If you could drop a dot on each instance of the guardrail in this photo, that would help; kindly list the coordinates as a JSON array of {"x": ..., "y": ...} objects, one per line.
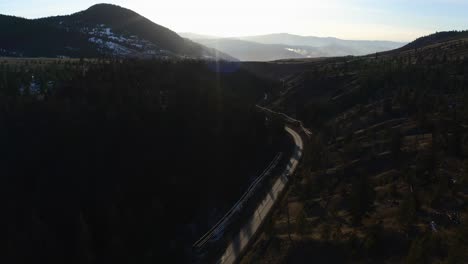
[
  {"x": 240, "y": 240},
  {"x": 221, "y": 225},
  {"x": 211, "y": 240}
]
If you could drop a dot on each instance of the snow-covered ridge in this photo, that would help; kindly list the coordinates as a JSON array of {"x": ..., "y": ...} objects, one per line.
[{"x": 121, "y": 45}]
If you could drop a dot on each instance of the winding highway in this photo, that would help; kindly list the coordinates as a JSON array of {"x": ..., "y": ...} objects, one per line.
[
  {"x": 231, "y": 250},
  {"x": 242, "y": 238}
]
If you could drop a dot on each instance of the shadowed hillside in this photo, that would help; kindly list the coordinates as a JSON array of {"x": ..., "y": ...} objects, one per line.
[
  {"x": 384, "y": 177},
  {"x": 102, "y": 30},
  {"x": 124, "y": 161}
]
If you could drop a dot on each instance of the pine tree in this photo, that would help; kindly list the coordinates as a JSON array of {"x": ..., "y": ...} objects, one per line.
[
  {"x": 301, "y": 224},
  {"x": 362, "y": 198}
]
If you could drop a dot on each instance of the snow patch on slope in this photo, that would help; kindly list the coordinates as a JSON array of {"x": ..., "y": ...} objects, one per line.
[
  {"x": 122, "y": 45},
  {"x": 299, "y": 51}
]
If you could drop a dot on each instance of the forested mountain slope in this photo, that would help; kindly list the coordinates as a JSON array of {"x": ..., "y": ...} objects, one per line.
[
  {"x": 102, "y": 30},
  {"x": 124, "y": 161}
]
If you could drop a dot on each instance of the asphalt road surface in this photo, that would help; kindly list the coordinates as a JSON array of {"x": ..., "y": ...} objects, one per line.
[{"x": 240, "y": 241}]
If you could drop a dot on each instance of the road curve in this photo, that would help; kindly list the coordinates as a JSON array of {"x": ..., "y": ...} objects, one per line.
[
  {"x": 242, "y": 238},
  {"x": 287, "y": 119}
]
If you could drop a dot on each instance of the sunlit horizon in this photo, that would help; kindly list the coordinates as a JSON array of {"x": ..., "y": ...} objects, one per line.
[{"x": 351, "y": 19}]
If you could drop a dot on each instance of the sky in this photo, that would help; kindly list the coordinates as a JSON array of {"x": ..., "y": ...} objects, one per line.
[{"x": 397, "y": 20}]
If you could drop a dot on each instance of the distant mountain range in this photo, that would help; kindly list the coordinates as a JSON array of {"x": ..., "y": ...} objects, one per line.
[
  {"x": 287, "y": 46},
  {"x": 106, "y": 30},
  {"x": 102, "y": 30}
]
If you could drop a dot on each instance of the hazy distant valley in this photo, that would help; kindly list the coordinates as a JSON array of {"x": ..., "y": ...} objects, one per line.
[{"x": 286, "y": 46}]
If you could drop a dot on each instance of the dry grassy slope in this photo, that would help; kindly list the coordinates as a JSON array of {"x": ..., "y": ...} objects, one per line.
[
  {"x": 451, "y": 44},
  {"x": 405, "y": 135}
]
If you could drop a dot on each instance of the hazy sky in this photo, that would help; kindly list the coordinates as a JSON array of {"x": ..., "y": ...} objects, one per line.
[{"x": 350, "y": 19}]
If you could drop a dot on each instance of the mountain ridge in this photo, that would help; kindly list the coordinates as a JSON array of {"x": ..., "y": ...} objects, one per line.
[
  {"x": 307, "y": 40},
  {"x": 102, "y": 30},
  {"x": 436, "y": 38}
]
